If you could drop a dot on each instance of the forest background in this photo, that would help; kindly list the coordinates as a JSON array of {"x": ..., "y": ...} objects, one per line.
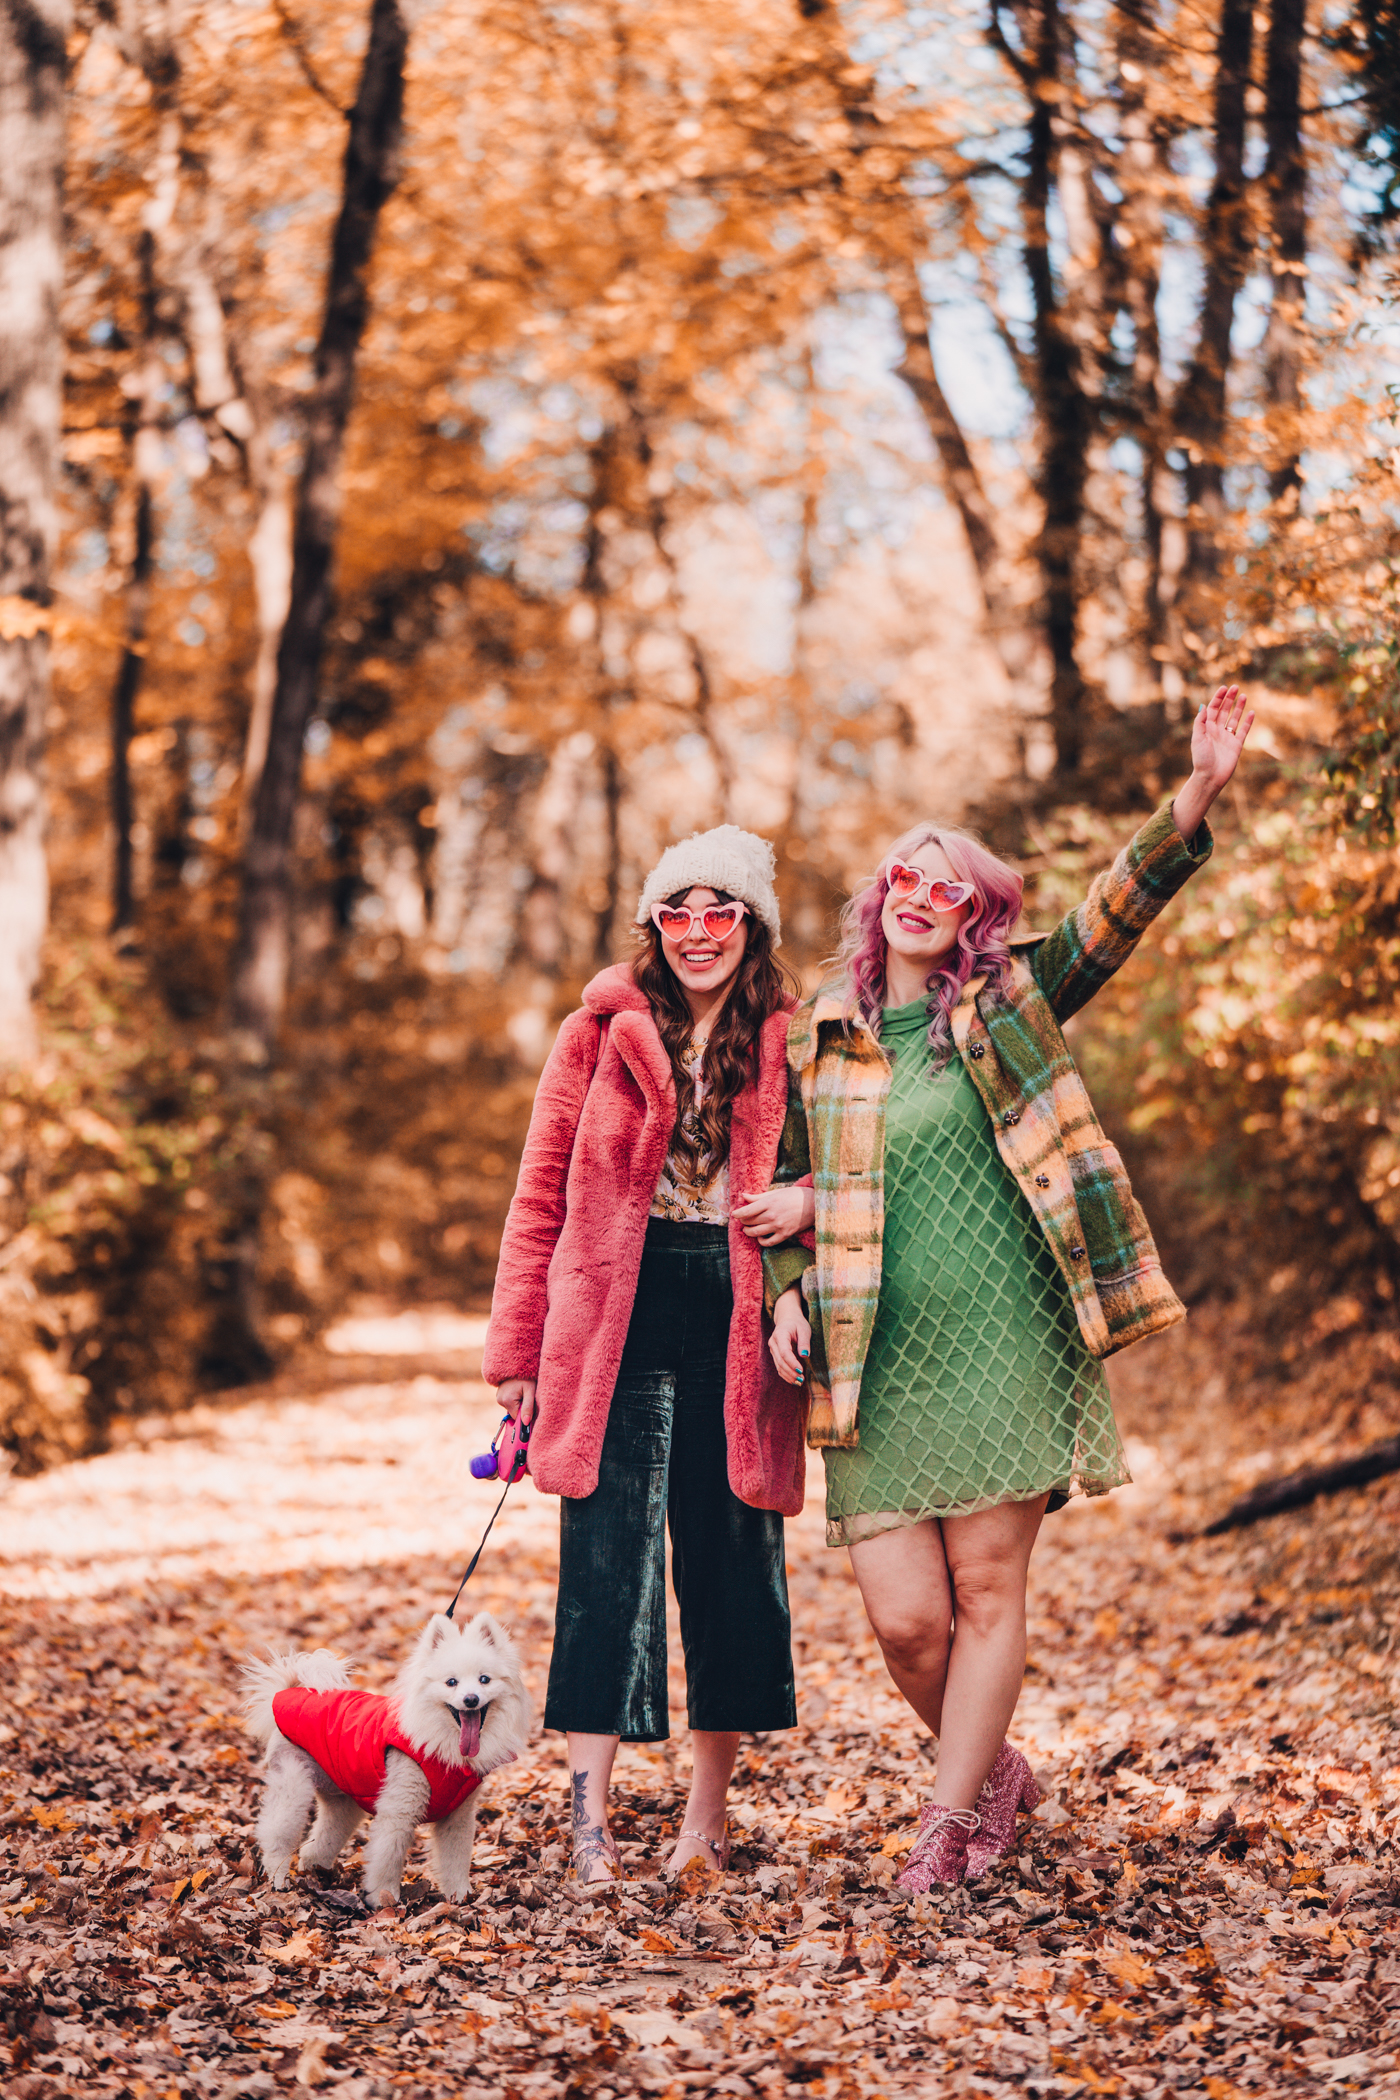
[{"x": 452, "y": 450}]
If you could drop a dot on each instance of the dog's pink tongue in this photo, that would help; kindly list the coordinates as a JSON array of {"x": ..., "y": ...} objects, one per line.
[{"x": 471, "y": 1733}]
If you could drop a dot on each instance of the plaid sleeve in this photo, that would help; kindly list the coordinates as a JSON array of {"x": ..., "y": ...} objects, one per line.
[
  {"x": 786, "y": 1265},
  {"x": 1077, "y": 958}
]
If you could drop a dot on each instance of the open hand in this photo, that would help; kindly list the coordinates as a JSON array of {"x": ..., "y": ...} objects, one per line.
[
  {"x": 1218, "y": 734},
  {"x": 1217, "y": 739},
  {"x": 776, "y": 1215}
]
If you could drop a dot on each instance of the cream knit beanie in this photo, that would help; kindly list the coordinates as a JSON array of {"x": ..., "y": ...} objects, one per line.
[{"x": 723, "y": 859}]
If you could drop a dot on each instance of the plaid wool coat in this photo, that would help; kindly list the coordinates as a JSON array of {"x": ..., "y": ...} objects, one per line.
[{"x": 1009, "y": 1038}]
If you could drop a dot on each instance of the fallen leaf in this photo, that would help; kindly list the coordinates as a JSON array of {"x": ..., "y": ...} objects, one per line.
[
  {"x": 1128, "y": 1968},
  {"x": 311, "y": 2064},
  {"x": 299, "y": 1948},
  {"x": 650, "y": 2029}
]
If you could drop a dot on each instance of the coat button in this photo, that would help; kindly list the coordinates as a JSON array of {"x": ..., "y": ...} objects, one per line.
[
  {"x": 1042, "y": 1181},
  {"x": 979, "y": 1050},
  {"x": 1076, "y": 1254},
  {"x": 1011, "y": 1118}
]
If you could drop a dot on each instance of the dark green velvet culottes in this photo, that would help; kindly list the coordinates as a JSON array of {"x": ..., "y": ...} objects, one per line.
[{"x": 664, "y": 1459}]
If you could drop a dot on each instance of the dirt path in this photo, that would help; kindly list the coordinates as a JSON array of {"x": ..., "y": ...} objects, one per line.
[{"x": 1203, "y": 1906}]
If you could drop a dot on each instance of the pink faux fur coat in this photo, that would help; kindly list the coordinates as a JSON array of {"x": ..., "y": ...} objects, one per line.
[{"x": 572, "y": 1247}]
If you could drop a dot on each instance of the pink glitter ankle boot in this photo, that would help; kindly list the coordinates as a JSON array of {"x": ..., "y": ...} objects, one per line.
[
  {"x": 940, "y": 1850},
  {"x": 1009, "y": 1786}
]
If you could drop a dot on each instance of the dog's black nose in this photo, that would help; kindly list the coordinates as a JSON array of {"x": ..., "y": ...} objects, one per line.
[{"x": 472, "y": 1702}]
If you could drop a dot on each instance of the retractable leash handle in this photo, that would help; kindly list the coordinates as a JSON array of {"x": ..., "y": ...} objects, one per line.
[
  {"x": 507, "y": 1460},
  {"x": 509, "y": 1456}
]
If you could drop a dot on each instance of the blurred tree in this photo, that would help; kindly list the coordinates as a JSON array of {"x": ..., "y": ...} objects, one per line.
[
  {"x": 886, "y": 218},
  {"x": 1286, "y": 184},
  {"x": 145, "y": 387},
  {"x": 32, "y": 65},
  {"x": 259, "y": 976},
  {"x": 1200, "y": 413},
  {"x": 1369, "y": 40}
]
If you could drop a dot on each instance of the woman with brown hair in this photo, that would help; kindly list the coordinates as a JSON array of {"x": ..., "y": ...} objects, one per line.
[{"x": 627, "y": 1322}]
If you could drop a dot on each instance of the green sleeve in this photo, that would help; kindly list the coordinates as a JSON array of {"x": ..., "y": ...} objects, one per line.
[
  {"x": 782, "y": 1268},
  {"x": 1077, "y": 958},
  {"x": 786, "y": 1265}
]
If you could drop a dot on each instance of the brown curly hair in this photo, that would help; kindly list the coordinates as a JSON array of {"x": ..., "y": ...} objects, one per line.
[{"x": 761, "y": 988}]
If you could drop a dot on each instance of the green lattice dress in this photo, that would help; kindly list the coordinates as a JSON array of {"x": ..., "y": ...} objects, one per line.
[{"x": 977, "y": 1388}]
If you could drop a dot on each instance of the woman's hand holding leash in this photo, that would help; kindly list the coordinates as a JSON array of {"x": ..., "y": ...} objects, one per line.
[
  {"x": 791, "y": 1339},
  {"x": 516, "y": 1396},
  {"x": 776, "y": 1215},
  {"x": 1217, "y": 739}
]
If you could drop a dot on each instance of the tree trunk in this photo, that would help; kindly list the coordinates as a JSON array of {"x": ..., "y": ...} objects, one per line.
[
  {"x": 270, "y": 552},
  {"x": 1295, "y": 1490},
  {"x": 1200, "y": 415},
  {"x": 145, "y": 465},
  {"x": 1144, "y": 177},
  {"x": 186, "y": 261},
  {"x": 605, "y": 919},
  {"x": 1014, "y": 640},
  {"x": 1013, "y": 636},
  {"x": 1286, "y": 183},
  {"x": 262, "y": 956},
  {"x": 919, "y": 373},
  {"x": 658, "y": 525},
  {"x": 612, "y": 493},
  {"x": 1062, "y": 406},
  {"x": 32, "y": 60}
]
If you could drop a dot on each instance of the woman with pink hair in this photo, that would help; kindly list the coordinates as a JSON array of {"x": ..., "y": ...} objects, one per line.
[{"x": 978, "y": 1253}]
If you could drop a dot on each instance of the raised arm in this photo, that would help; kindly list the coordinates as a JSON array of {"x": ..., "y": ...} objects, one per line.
[
  {"x": 1217, "y": 739},
  {"x": 536, "y": 1216},
  {"x": 1093, "y": 941}
]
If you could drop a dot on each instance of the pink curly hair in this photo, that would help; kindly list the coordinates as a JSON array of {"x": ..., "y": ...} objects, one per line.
[{"x": 981, "y": 948}]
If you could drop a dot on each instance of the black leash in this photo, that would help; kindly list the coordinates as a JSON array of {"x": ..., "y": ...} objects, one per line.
[
  {"x": 522, "y": 1432},
  {"x": 471, "y": 1565}
]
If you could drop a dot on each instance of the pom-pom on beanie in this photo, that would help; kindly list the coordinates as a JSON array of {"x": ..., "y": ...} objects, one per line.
[{"x": 723, "y": 859}]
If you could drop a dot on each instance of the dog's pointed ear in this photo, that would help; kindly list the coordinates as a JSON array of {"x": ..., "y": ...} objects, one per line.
[
  {"x": 437, "y": 1630},
  {"x": 490, "y": 1630}
]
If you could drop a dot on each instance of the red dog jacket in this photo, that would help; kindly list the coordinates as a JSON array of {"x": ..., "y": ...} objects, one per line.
[{"x": 348, "y": 1734}]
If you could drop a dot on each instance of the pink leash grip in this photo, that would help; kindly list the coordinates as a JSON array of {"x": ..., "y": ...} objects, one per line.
[{"x": 512, "y": 1449}]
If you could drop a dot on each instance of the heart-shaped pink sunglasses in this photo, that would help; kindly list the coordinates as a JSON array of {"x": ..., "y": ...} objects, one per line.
[
  {"x": 906, "y": 882},
  {"x": 674, "y": 921}
]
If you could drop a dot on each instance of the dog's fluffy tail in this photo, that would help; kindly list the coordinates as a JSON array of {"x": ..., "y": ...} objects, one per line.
[{"x": 321, "y": 1671}]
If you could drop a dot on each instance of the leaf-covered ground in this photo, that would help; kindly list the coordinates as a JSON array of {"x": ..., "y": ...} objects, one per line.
[{"x": 1205, "y": 1904}]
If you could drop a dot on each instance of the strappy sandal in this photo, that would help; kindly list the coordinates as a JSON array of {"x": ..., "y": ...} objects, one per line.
[{"x": 718, "y": 1846}]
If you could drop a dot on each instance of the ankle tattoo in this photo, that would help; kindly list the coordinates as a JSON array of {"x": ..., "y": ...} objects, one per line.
[{"x": 593, "y": 1842}]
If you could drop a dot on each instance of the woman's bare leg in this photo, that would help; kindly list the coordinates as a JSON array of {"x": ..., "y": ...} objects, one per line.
[
  {"x": 947, "y": 1601},
  {"x": 988, "y": 1556},
  {"x": 908, "y": 1597},
  {"x": 590, "y": 1774},
  {"x": 713, "y": 1752}
]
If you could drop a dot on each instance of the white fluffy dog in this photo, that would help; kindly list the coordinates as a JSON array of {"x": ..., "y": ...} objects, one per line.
[{"x": 458, "y": 1710}]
